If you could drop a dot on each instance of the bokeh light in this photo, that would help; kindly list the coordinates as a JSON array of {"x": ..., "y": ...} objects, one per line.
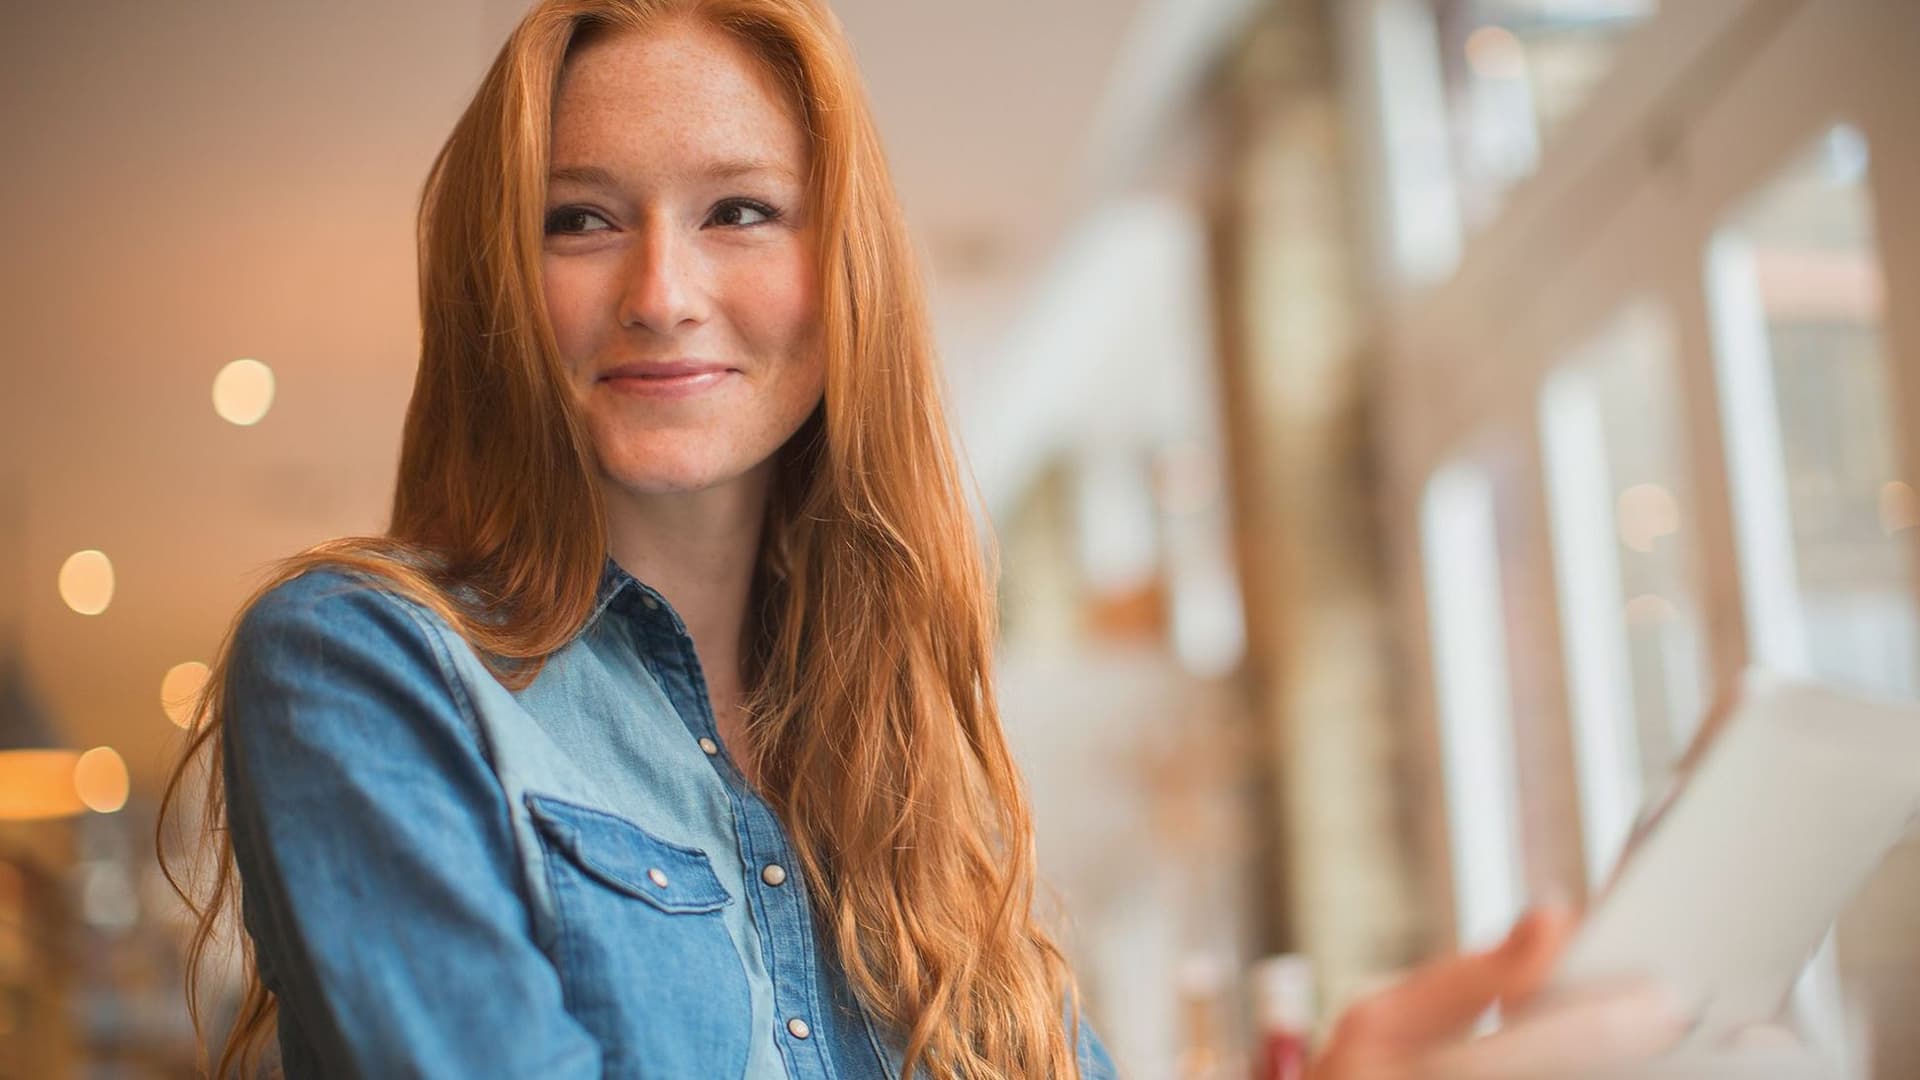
[
  {"x": 243, "y": 392},
  {"x": 1651, "y": 609},
  {"x": 1496, "y": 53},
  {"x": 180, "y": 689},
  {"x": 1647, "y": 512},
  {"x": 100, "y": 779},
  {"x": 86, "y": 581},
  {"x": 37, "y": 785}
]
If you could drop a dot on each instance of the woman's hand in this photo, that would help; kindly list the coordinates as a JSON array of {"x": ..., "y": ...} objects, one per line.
[{"x": 1419, "y": 1028}]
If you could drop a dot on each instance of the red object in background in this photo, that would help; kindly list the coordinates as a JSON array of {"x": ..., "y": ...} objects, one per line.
[
  {"x": 1283, "y": 1003},
  {"x": 1283, "y": 1056}
]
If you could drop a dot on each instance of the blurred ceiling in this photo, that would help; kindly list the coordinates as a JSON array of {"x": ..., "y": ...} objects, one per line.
[{"x": 190, "y": 183}]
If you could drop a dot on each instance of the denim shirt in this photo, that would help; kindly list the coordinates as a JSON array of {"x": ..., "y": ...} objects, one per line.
[{"x": 443, "y": 877}]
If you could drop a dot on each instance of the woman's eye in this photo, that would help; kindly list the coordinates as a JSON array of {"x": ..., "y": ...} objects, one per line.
[
  {"x": 736, "y": 213},
  {"x": 575, "y": 219}
]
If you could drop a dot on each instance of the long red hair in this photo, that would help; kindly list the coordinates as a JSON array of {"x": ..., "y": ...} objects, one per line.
[{"x": 873, "y": 721}]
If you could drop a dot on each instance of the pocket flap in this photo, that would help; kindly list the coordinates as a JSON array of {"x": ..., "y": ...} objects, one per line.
[{"x": 627, "y": 857}]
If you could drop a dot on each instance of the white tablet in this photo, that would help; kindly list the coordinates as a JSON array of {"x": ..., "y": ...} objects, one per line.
[{"x": 1799, "y": 797}]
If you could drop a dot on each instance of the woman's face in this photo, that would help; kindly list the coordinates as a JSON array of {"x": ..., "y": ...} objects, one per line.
[{"x": 680, "y": 258}]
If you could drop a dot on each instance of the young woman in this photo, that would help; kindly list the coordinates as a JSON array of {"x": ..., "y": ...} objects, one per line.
[{"x": 656, "y": 737}]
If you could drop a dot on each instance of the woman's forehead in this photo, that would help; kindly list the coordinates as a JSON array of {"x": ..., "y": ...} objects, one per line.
[{"x": 683, "y": 96}]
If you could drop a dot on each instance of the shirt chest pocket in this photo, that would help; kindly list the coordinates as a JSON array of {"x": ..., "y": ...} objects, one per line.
[{"x": 644, "y": 954}]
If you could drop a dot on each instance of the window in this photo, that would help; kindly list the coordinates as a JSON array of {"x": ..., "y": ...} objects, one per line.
[
  {"x": 1515, "y": 70},
  {"x": 1474, "y": 691},
  {"x": 1624, "y": 561},
  {"x": 1822, "y": 513}
]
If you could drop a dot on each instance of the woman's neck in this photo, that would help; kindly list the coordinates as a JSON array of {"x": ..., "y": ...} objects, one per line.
[{"x": 699, "y": 549}]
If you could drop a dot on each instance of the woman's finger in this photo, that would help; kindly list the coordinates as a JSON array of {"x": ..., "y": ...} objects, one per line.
[
  {"x": 1543, "y": 935},
  {"x": 1589, "y": 1031},
  {"x": 1441, "y": 1000}
]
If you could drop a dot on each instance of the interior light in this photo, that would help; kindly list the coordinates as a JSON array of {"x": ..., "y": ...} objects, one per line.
[
  {"x": 37, "y": 784},
  {"x": 86, "y": 582},
  {"x": 1650, "y": 609},
  {"x": 1647, "y": 512},
  {"x": 243, "y": 392},
  {"x": 180, "y": 691},
  {"x": 1495, "y": 53},
  {"x": 100, "y": 779}
]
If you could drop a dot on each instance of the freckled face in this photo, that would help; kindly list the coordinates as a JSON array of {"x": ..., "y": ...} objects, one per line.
[{"x": 679, "y": 258}]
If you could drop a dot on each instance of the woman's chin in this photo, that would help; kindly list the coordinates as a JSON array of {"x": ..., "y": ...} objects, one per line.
[{"x": 671, "y": 477}]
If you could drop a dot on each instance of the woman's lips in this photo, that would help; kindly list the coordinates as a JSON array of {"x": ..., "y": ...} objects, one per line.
[{"x": 674, "y": 380}]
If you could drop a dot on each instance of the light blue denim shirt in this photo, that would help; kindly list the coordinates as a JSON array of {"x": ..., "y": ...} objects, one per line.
[{"x": 446, "y": 878}]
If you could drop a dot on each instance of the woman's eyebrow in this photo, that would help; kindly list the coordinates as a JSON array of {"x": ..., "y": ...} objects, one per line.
[
  {"x": 735, "y": 168},
  {"x": 588, "y": 175},
  {"x": 726, "y": 169}
]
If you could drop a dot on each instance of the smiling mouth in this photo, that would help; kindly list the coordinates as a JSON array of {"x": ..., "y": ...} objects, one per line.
[{"x": 670, "y": 382}]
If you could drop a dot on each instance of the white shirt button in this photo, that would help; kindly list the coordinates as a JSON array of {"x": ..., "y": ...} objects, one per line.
[
  {"x": 657, "y": 877},
  {"x": 798, "y": 1028},
  {"x": 774, "y": 874},
  {"x": 709, "y": 746},
  {"x": 649, "y": 602}
]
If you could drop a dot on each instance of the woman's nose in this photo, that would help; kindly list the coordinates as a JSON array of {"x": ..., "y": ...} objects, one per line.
[{"x": 661, "y": 289}]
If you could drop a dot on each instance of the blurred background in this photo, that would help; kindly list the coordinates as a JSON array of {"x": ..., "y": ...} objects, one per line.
[{"x": 1399, "y": 418}]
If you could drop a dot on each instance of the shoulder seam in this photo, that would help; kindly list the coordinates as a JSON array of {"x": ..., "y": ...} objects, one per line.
[
  {"x": 434, "y": 636},
  {"x": 442, "y": 659}
]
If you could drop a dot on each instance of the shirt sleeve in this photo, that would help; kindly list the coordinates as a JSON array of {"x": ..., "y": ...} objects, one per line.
[
  {"x": 1095, "y": 1063},
  {"x": 375, "y": 853}
]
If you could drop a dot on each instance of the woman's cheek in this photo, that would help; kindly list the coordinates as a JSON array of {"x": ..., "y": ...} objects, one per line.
[
  {"x": 569, "y": 308},
  {"x": 781, "y": 299}
]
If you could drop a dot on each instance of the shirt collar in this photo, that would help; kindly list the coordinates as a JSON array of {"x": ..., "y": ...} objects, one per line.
[
  {"x": 613, "y": 581},
  {"x": 622, "y": 591}
]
